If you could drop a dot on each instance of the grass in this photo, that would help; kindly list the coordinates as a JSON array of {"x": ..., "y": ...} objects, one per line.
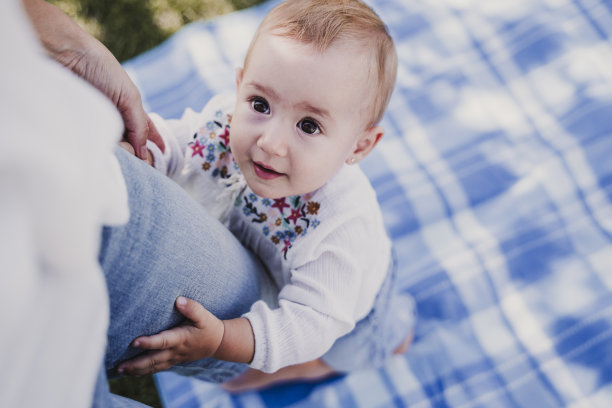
[
  {"x": 128, "y": 28},
  {"x": 141, "y": 389}
]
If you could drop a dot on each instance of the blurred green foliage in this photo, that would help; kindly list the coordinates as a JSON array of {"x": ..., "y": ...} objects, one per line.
[
  {"x": 141, "y": 389},
  {"x": 129, "y": 27}
]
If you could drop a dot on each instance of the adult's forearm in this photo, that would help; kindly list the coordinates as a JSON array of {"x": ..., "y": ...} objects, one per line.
[
  {"x": 70, "y": 45},
  {"x": 61, "y": 37}
]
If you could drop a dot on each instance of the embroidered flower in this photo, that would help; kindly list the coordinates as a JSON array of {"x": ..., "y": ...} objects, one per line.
[
  {"x": 206, "y": 166},
  {"x": 278, "y": 222},
  {"x": 212, "y": 135},
  {"x": 295, "y": 216},
  {"x": 266, "y": 231},
  {"x": 253, "y": 197},
  {"x": 298, "y": 230},
  {"x": 281, "y": 204},
  {"x": 313, "y": 207},
  {"x": 315, "y": 224},
  {"x": 225, "y": 136},
  {"x": 210, "y": 125},
  {"x": 286, "y": 248},
  {"x": 275, "y": 240},
  {"x": 211, "y": 148},
  {"x": 197, "y": 149},
  {"x": 210, "y": 157},
  {"x": 266, "y": 202}
]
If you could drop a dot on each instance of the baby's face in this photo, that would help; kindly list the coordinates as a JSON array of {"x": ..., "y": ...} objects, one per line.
[{"x": 298, "y": 115}]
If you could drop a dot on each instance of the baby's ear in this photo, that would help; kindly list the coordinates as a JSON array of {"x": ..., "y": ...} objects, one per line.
[
  {"x": 366, "y": 143},
  {"x": 239, "y": 73}
]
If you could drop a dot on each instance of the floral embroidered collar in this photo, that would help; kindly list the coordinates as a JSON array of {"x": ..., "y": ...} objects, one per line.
[
  {"x": 282, "y": 220},
  {"x": 211, "y": 144}
]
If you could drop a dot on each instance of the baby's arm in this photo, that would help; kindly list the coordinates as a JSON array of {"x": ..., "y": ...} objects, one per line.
[
  {"x": 178, "y": 134},
  {"x": 204, "y": 336}
]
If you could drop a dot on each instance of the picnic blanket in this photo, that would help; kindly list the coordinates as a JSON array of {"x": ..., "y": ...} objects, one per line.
[{"x": 495, "y": 180}]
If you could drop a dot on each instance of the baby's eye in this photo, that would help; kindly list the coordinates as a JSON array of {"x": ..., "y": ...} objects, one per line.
[
  {"x": 260, "y": 105},
  {"x": 309, "y": 126}
]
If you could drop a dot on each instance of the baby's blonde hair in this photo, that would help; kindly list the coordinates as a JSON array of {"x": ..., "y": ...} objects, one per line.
[{"x": 322, "y": 22}]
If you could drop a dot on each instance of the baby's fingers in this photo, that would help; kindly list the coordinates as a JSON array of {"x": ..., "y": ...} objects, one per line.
[
  {"x": 164, "y": 340},
  {"x": 128, "y": 147},
  {"x": 148, "y": 363}
]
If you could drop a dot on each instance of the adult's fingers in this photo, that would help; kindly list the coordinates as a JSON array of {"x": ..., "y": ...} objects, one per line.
[
  {"x": 154, "y": 135},
  {"x": 136, "y": 122}
]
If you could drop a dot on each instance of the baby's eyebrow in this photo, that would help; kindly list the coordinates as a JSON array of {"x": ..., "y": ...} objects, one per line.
[
  {"x": 264, "y": 89},
  {"x": 314, "y": 109},
  {"x": 307, "y": 106}
]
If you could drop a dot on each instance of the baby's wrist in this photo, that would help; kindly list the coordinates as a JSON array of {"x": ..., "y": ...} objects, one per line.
[{"x": 237, "y": 341}]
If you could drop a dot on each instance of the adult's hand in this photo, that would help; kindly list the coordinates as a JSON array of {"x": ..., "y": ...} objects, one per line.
[{"x": 76, "y": 49}]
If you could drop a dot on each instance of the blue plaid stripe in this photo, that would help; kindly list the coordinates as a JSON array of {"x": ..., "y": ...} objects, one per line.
[{"x": 495, "y": 179}]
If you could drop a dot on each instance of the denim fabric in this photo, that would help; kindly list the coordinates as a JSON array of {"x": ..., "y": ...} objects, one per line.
[
  {"x": 377, "y": 335},
  {"x": 170, "y": 247}
]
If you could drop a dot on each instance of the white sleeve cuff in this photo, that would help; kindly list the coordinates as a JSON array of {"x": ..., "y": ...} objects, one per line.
[{"x": 158, "y": 157}]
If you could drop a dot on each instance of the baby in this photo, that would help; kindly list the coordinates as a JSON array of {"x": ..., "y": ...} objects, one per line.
[{"x": 276, "y": 164}]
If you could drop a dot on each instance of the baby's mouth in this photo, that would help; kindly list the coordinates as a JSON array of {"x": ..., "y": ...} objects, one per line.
[{"x": 265, "y": 172}]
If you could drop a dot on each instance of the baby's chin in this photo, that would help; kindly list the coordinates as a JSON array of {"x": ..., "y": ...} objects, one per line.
[
  {"x": 269, "y": 193},
  {"x": 262, "y": 189},
  {"x": 273, "y": 193},
  {"x": 269, "y": 190}
]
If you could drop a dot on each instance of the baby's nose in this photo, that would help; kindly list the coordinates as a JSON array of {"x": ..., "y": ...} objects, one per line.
[{"x": 274, "y": 142}]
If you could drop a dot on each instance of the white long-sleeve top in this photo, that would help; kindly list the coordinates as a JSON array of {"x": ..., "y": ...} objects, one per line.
[
  {"x": 59, "y": 182},
  {"x": 327, "y": 251}
]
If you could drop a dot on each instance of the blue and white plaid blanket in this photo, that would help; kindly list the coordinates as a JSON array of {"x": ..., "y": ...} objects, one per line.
[{"x": 495, "y": 179}]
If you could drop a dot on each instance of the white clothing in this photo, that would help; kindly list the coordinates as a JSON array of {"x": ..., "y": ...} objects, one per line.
[
  {"x": 58, "y": 183},
  {"x": 327, "y": 251}
]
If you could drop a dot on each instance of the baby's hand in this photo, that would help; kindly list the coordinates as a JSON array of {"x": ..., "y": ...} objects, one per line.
[
  {"x": 200, "y": 338},
  {"x": 127, "y": 146}
]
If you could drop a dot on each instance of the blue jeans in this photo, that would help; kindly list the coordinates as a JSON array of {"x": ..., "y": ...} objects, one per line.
[
  {"x": 377, "y": 335},
  {"x": 172, "y": 247}
]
